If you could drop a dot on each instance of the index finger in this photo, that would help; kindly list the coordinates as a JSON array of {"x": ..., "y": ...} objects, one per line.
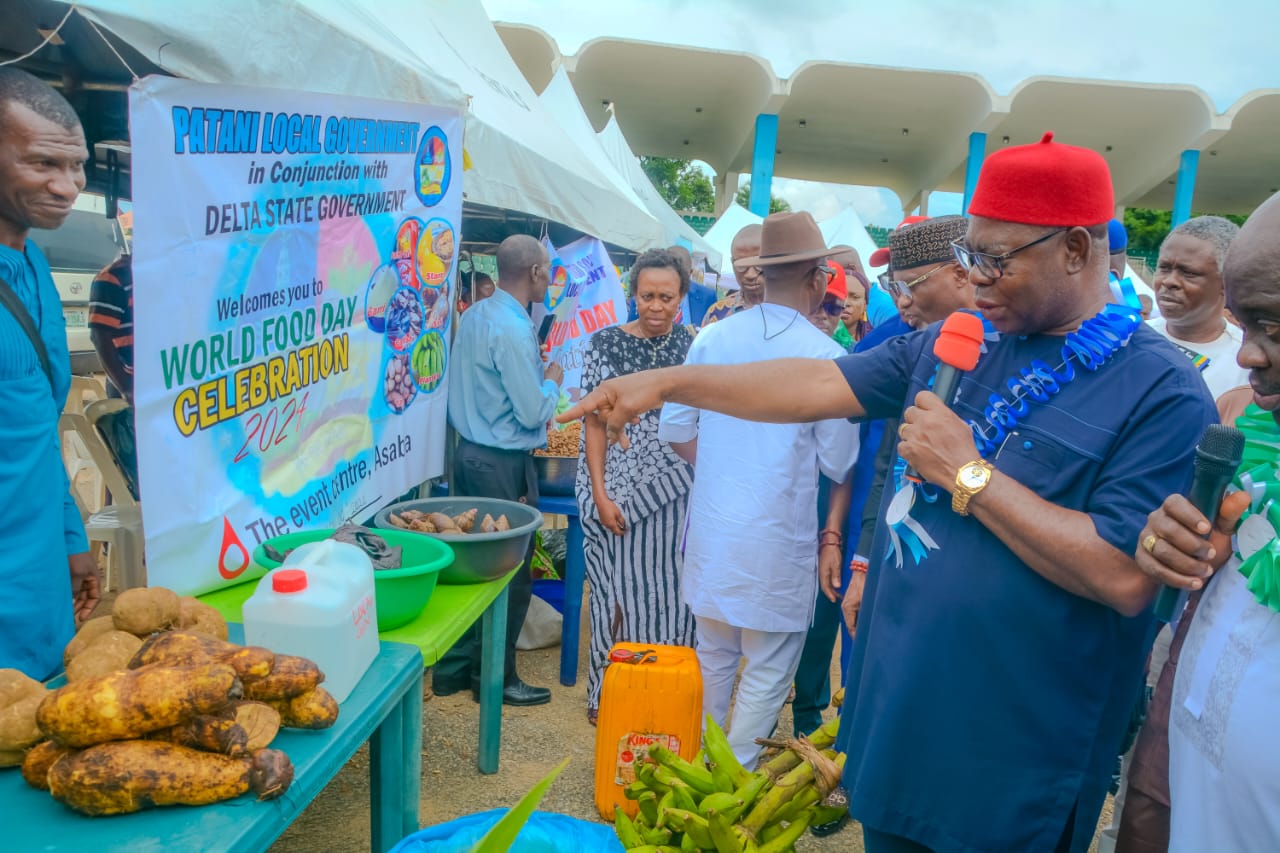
[
  {"x": 581, "y": 409},
  {"x": 1181, "y": 510},
  {"x": 929, "y": 400}
]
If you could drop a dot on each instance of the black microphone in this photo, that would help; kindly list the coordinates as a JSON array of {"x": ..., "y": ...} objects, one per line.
[
  {"x": 1218, "y": 456},
  {"x": 957, "y": 347}
]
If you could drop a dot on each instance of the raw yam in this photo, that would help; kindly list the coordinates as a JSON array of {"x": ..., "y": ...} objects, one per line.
[
  {"x": 239, "y": 729},
  {"x": 134, "y": 702},
  {"x": 147, "y": 610},
  {"x": 315, "y": 709},
  {"x": 88, "y": 632},
  {"x": 200, "y": 618},
  {"x": 16, "y": 684},
  {"x": 290, "y": 676},
  {"x": 18, "y": 729},
  {"x": 40, "y": 758},
  {"x": 184, "y": 648},
  {"x": 110, "y": 651},
  {"x": 118, "y": 778}
]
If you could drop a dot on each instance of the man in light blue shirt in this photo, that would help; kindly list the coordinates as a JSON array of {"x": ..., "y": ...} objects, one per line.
[{"x": 500, "y": 400}]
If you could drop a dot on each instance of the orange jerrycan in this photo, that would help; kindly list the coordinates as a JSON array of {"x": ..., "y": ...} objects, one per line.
[{"x": 651, "y": 694}]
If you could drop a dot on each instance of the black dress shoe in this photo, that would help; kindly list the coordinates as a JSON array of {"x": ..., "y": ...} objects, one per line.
[{"x": 516, "y": 692}]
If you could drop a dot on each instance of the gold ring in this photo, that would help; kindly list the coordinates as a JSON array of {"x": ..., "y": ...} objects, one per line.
[
  {"x": 1149, "y": 544},
  {"x": 902, "y": 429}
]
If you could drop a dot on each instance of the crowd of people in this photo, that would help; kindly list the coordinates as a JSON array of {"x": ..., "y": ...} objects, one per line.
[
  {"x": 772, "y": 470},
  {"x": 999, "y": 599}
]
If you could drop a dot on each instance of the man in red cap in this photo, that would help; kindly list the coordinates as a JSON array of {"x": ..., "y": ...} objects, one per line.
[{"x": 1000, "y": 644}]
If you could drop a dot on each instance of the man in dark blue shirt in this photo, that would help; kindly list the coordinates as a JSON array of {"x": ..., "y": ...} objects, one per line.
[{"x": 997, "y": 655}]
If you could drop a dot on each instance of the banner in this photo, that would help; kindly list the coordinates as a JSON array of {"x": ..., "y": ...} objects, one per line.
[
  {"x": 585, "y": 296},
  {"x": 294, "y": 270}
]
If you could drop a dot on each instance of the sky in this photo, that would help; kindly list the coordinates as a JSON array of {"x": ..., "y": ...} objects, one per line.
[{"x": 1226, "y": 48}]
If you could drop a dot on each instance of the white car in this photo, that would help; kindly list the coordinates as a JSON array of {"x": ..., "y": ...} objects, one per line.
[{"x": 85, "y": 243}]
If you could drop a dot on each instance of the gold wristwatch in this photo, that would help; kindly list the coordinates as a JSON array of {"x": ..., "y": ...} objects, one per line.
[{"x": 970, "y": 479}]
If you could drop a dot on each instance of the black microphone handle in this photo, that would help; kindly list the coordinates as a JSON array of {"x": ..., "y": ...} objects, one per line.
[
  {"x": 1207, "y": 489},
  {"x": 946, "y": 384}
]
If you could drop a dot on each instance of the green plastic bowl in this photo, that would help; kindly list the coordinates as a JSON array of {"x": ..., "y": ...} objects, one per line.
[{"x": 401, "y": 594}]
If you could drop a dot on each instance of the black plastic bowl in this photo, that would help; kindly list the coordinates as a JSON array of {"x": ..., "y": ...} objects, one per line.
[{"x": 477, "y": 557}]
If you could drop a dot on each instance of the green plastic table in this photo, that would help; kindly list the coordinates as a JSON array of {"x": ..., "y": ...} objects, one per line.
[
  {"x": 452, "y": 609},
  {"x": 385, "y": 709}
]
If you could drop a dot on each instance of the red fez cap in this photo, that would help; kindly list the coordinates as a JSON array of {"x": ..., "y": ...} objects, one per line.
[
  {"x": 838, "y": 286},
  {"x": 1047, "y": 183}
]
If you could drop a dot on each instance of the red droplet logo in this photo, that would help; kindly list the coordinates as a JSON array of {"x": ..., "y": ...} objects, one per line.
[{"x": 231, "y": 542}]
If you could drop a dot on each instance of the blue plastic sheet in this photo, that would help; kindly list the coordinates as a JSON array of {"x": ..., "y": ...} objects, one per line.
[{"x": 545, "y": 832}]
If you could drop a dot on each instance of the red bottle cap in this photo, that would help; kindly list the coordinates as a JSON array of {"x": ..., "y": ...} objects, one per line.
[{"x": 289, "y": 580}]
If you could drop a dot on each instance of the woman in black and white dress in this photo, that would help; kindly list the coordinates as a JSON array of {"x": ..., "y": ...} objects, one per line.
[{"x": 632, "y": 502}]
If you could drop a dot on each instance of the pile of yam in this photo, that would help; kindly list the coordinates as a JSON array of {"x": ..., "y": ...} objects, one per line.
[{"x": 159, "y": 708}]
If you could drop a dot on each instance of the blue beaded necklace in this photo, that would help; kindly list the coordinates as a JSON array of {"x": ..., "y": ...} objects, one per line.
[{"x": 1090, "y": 347}]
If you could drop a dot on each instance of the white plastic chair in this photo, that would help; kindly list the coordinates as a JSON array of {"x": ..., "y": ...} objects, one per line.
[
  {"x": 86, "y": 480},
  {"x": 118, "y": 525}
]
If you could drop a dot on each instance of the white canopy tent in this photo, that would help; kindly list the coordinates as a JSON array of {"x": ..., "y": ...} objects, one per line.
[
  {"x": 628, "y": 165},
  {"x": 734, "y": 219},
  {"x": 847, "y": 229},
  {"x": 446, "y": 52}
]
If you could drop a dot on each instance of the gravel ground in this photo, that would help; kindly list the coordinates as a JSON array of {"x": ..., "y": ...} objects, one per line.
[{"x": 534, "y": 740}]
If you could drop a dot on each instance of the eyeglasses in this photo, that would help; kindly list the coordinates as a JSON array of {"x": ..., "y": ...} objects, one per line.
[
  {"x": 740, "y": 270},
  {"x": 897, "y": 289},
  {"x": 992, "y": 266},
  {"x": 832, "y": 309}
]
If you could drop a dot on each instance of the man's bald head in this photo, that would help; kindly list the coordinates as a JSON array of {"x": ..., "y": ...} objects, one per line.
[
  {"x": 517, "y": 254},
  {"x": 524, "y": 268},
  {"x": 1254, "y": 256},
  {"x": 1252, "y": 277},
  {"x": 746, "y": 243}
]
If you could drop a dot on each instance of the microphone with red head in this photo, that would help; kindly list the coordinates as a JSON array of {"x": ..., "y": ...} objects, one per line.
[{"x": 958, "y": 346}]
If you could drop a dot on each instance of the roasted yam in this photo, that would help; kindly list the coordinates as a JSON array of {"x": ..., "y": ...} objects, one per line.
[
  {"x": 135, "y": 702},
  {"x": 118, "y": 778},
  {"x": 315, "y": 709},
  {"x": 39, "y": 759},
  {"x": 290, "y": 676},
  {"x": 184, "y": 648}
]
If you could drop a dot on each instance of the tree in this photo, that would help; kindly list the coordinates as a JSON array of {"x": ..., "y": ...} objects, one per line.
[
  {"x": 776, "y": 205},
  {"x": 683, "y": 185},
  {"x": 1147, "y": 228}
]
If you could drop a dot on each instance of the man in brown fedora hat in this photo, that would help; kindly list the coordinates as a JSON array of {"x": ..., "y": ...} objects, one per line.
[{"x": 751, "y": 550}]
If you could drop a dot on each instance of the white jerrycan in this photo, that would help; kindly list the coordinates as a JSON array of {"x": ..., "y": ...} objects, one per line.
[{"x": 319, "y": 605}]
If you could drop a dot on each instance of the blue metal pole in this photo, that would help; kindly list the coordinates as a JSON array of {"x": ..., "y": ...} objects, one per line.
[
  {"x": 1186, "y": 186},
  {"x": 762, "y": 163},
  {"x": 977, "y": 150}
]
